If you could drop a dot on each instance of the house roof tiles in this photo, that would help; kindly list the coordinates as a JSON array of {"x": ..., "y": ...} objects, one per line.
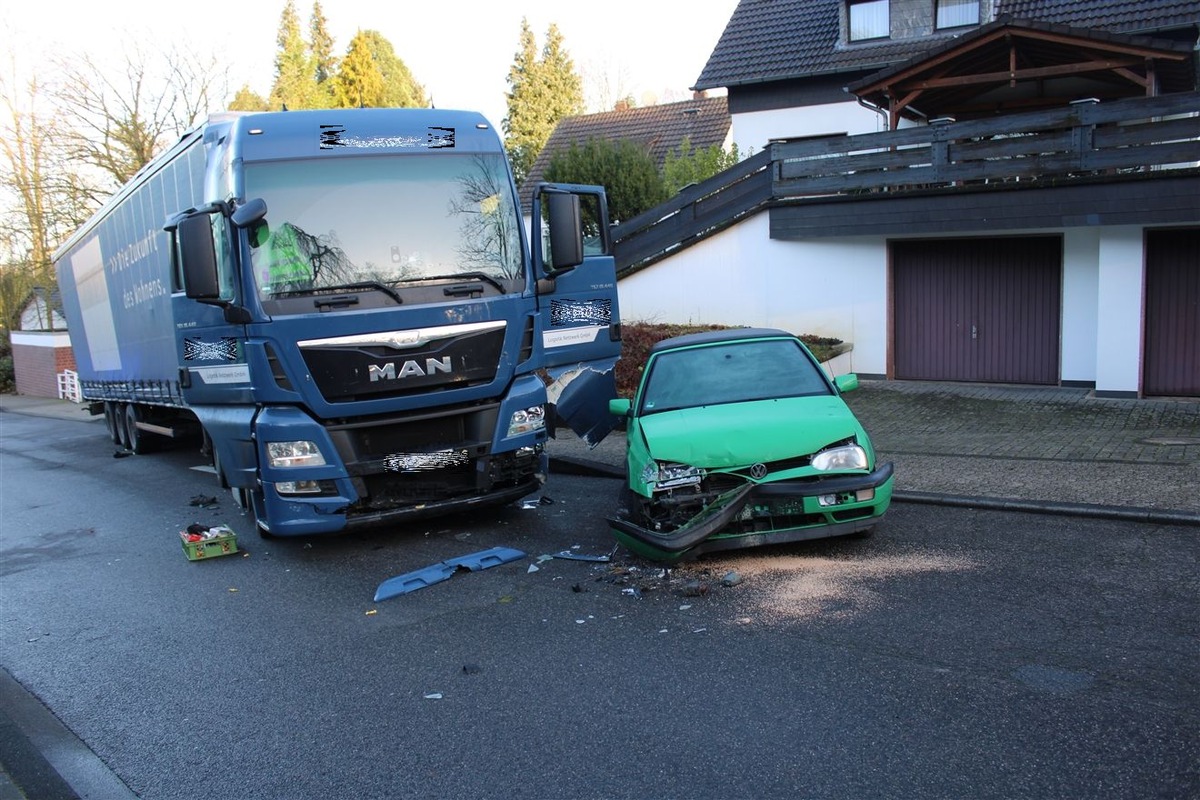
[
  {"x": 704, "y": 122},
  {"x": 768, "y": 40}
]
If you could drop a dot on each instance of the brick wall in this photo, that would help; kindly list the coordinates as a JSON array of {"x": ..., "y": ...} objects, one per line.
[{"x": 37, "y": 362}]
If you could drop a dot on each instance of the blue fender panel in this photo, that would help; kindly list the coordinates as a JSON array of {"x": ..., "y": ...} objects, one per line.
[{"x": 444, "y": 570}]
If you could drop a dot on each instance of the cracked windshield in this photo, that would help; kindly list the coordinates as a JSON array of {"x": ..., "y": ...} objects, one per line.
[{"x": 378, "y": 223}]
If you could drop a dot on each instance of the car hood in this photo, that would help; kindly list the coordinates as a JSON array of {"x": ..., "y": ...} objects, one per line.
[{"x": 738, "y": 434}]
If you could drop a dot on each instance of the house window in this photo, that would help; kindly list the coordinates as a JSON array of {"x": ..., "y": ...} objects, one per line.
[
  {"x": 868, "y": 19},
  {"x": 955, "y": 13}
]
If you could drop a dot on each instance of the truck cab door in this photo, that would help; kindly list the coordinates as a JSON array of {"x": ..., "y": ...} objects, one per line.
[{"x": 578, "y": 320}]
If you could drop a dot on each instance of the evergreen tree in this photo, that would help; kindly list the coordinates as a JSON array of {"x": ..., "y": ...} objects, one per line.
[
  {"x": 321, "y": 47},
  {"x": 372, "y": 75},
  {"x": 542, "y": 91},
  {"x": 686, "y": 165},
  {"x": 624, "y": 168},
  {"x": 248, "y": 100},
  {"x": 295, "y": 82},
  {"x": 563, "y": 86}
]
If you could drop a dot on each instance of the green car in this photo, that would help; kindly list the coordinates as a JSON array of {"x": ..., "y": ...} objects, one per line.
[{"x": 738, "y": 438}]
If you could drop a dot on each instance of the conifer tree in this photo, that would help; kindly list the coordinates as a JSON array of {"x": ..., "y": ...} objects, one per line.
[
  {"x": 542, "y": 91},
  {"x": 321, "y": 47},
  {"x": 372, "y": 75},
  {"x": 295, "y": 81}
]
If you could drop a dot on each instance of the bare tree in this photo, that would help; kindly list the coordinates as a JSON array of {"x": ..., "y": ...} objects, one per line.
[
  {"x": 45, "y": 197},
  {"x": 118, "y": 124}
]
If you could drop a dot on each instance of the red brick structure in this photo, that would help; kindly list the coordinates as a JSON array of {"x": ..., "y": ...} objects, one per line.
[
  {"x": 38, "y": 358},
  {"x": 41, "y": 349}
]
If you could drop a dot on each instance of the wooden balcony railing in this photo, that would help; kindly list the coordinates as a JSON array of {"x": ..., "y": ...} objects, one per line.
[{"x": 1083, "y": 141}]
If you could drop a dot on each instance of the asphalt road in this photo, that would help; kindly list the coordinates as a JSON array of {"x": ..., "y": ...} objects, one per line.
[{"x": 958, "y": 653}]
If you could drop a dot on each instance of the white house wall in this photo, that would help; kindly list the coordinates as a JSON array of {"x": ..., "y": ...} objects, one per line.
[
  {"x": 828, "y": 287},
  {"x": 1081, "y": 251},
  {"x": 1121, "y": 266},
  {"x": 754, "y": 129},
  {"x": 838, "y": 288}
]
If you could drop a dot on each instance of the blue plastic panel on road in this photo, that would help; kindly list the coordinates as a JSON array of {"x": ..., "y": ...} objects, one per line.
[{"x": 436, "y": 573}]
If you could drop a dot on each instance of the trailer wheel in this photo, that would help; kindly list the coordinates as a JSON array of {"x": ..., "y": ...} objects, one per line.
[
  {"x": 136, "y": 438},
  {"x": 110, "y": 422},
  {"x": 122, "y": 432}
]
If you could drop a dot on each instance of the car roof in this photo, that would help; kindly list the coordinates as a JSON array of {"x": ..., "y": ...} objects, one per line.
[{"x": 717, "y": 336}]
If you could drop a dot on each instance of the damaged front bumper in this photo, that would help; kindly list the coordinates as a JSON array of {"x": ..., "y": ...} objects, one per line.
[{"x": 703, "y": 533}]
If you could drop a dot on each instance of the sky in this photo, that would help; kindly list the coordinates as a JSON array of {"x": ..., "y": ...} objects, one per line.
[{"x": 652, "y": 50}]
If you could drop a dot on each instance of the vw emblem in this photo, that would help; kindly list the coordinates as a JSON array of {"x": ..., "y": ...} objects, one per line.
[{"x": 758, "y": 471}]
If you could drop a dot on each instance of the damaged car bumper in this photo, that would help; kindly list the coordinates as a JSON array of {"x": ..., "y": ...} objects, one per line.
[{"x": 770, "y": 513}]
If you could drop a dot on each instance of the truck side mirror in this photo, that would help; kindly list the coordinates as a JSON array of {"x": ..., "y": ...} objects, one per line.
[
  {"x": 566, "y": 230},
  {"x": 198, "y": 258}
]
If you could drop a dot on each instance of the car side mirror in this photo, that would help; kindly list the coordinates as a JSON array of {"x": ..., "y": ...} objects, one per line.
[
  {"x": 846, "y": 383},
  {"x": 620, "y": 407}
]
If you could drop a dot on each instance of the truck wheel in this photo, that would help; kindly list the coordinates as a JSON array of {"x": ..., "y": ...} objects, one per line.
[
  {"x": 119, "y": 424},
  {"x": 110, "y": 422},
  {"x": 136, "y": 438},
  {"x": 245, "y": 500}
]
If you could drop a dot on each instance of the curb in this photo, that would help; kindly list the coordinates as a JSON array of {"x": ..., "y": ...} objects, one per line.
[
  {"x": 1130, "y": 514},
  {"x": 565, "y": 465}
]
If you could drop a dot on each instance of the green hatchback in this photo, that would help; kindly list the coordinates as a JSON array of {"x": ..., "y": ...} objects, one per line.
[{"x": 738, "y": 438}]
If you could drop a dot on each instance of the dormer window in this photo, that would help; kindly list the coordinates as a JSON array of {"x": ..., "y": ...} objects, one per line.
[
  {"x": 869, "y": 19},
  {"x": 956, "y": 13}
]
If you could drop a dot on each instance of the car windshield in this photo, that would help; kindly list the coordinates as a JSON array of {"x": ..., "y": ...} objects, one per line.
[
  {"x": 732, "y": 372},
  {"x": 376, "y": 222}
]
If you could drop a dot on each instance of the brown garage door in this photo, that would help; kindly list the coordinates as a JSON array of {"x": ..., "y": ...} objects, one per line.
[
  {"x": 1171, "y": 363},
  {"x": 985, "y": 310}
]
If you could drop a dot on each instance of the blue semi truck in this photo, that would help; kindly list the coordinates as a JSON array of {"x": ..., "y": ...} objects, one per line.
[{"x": 350, "y": 312}]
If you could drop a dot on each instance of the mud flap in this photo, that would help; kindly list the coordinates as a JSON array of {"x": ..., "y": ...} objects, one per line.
[{"x": 580, "y": 395}]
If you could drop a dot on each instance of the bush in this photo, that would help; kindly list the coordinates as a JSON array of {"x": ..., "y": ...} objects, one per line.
[{"x": 638, "y": 337}]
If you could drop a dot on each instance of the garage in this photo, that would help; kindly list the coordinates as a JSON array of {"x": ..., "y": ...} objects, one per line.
[
  {"x": 1171, "y": 357},
  {"x": 984, "y": 310}
]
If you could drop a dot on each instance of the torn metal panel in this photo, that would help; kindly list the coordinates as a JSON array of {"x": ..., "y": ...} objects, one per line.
[
  {"x": 444, "y": 570},
  {"x": 580, "y": 395}
]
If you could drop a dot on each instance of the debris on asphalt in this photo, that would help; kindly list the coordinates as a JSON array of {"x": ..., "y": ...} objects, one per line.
[
  {"x": 731, "y": 579},
  {"x": 122, "y": 454},
  {"x": 572, "y": 555},
  {"x": 471, "y": 669},
  {"x": 202, "y": 500},
  {"x": 541, "y": 501},
  {"x": 434, "y": 696},
  {"x": 444, "y": 570}
]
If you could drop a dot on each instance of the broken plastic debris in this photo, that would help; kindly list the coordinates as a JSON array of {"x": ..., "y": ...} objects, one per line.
[
  {"x": 436, "y": 573},
  {"x": 202, "y": 500},
  {"x": 532, "y": 568},
  {"x": 434, "y": 696},
  {"x": 372, "y": 612},
  {"x": 571, "y": 555},
  {"x": 731, "y": 579}
]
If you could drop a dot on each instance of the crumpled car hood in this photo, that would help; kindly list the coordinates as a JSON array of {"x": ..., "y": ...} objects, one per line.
[{"x": 739, "y": 434}]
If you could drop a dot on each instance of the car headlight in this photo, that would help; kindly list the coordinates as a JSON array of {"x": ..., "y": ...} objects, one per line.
[
  {"x": 667, "y": 475},
  {"x": 527, "y": 420},
  {"x": 849, "y": 456},
  {"x": 294, "y": 454}
]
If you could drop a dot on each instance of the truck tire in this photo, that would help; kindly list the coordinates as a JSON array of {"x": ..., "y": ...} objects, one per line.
[
  {"x": 243, "y": 498},
  {"x": 110, "y": 422},
  {"x": 136, "y": 439},
  {"x": 119, "y": 424}
]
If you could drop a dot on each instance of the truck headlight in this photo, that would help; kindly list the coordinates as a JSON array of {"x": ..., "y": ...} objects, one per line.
[
  {"x": 294, "y": 454},
  {"x": 527, "y": 420},
  {"x": 849, "y": 456}
]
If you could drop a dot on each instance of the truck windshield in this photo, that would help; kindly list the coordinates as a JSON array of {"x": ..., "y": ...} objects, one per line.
[{"x": 382, "y": 222}]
